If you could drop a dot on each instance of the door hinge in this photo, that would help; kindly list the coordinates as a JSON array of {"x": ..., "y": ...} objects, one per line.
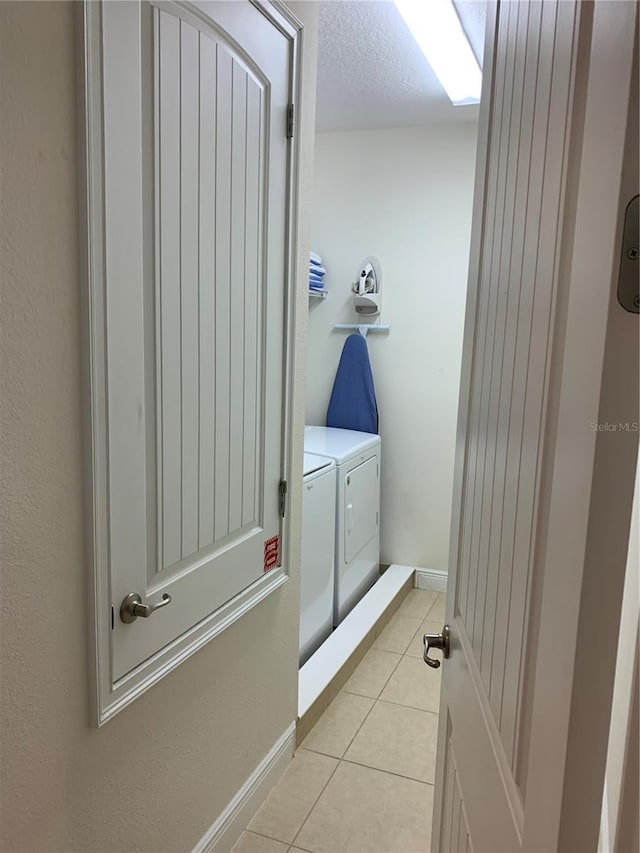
[
  {"x": 282, "y": 491},
  {"x": 290, "y": 115},
  {"x": 113, "y": 618}
]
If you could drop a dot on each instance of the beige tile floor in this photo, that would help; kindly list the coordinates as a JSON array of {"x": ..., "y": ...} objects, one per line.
[{"x": 362, "y": 780}]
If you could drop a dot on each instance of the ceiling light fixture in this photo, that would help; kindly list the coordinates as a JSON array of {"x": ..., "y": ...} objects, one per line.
[{"x": 435, "y": 26}]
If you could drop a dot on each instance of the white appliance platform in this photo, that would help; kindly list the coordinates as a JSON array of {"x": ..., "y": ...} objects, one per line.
[{"x": 318, "y": 672}]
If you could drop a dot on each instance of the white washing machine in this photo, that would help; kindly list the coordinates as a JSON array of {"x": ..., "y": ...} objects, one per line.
[
  {"x": 318, "y": 553},
  {"x": 357, "y": 502}
]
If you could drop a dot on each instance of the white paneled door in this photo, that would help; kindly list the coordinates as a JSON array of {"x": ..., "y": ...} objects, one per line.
[
  {"x": 537, "y": 352},
  {"x": 194, "y": 106}
]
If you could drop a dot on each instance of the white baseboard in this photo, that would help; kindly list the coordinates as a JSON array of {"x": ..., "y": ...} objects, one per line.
[
  {"x": 435, "y": 579},
  {"x": 226, "y": 829}
]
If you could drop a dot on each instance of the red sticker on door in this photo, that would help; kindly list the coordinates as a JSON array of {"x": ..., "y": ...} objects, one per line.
[{"x": 271, "y": 553}]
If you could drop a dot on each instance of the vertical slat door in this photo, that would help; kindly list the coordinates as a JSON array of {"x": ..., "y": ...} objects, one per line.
[
  {"x": 481, "y": 801},
  {"x": 196, "y": 160}
]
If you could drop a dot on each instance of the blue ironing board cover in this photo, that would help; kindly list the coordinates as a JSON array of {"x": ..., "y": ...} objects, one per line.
[{"x": 353, "y": 399}]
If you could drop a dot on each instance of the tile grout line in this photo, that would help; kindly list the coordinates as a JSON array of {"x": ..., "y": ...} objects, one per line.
[
  {"x": 390, "y": 772},
  {"x": 268, "y": 837},
  {"x": 375, "y": 698},
  {"x": 350, "y": 742},
  {"x": 435, "y": 601},
  {"x": 424, "y": 619},
  {"x": 395, "y": 651},
  {"x": 315, "y": 802},
  {"x": 365, "y": 718},
  {"x": 410, "y": 707},
  {"x": 317, "y": 751},
  {"x": 329, "y": 755},
  {"x": 378, "y": 697},
  {"x": 342, "y": 759},
  {"x": 390, "y": 702}
]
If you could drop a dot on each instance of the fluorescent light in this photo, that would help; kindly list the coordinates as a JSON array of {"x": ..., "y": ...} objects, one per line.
[{"x": 435, "y": 26}]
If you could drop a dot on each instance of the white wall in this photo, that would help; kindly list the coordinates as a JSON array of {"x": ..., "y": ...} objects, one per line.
[
  {"x": 404, "y": 195},
  {"x": 155, "y": 777}
]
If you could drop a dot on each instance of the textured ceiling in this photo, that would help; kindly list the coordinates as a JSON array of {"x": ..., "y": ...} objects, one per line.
[{"x": 372, "y": 74}]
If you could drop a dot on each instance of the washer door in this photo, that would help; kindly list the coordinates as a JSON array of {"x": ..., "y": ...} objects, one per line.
[{"x": 360, "y": 507}]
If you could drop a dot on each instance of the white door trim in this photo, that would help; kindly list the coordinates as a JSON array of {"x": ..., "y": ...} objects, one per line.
[{"x": 108, "y": 698}]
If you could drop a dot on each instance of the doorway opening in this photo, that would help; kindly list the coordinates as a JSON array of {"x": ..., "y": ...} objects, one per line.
[
  {"x": 391, "y": 226},
  {"x": 391, "y": 229}
]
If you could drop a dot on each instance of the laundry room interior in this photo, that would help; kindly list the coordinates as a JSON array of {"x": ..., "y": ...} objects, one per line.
[
  {"x": 291, "y": 385},
  {"x": 391, "y": 227}
]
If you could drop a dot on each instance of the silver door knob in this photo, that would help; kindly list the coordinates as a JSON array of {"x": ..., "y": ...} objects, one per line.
[
  {"x": 132, "y": 607},
  {"x": 436, "y": 641}
]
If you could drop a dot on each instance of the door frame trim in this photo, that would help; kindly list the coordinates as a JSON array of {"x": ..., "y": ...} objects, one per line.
[{"x": 108, "y": 697}]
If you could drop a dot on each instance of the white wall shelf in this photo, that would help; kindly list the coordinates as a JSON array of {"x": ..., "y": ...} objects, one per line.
[{"x": 319, "y": 294}]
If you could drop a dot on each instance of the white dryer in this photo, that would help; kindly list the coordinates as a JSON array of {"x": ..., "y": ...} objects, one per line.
[
  {"x": 357, "y": 503},
  {"x": 318, "y": 553}
]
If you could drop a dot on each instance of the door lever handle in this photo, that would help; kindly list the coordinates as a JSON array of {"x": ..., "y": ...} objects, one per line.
[
  {"x": 436, "y": 641},
  {"x": 132, "y": 607}
]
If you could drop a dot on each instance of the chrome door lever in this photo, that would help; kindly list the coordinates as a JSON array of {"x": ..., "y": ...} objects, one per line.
[
  {"x": 436, "y": 641},
  {"x": 132, "y": 607}
]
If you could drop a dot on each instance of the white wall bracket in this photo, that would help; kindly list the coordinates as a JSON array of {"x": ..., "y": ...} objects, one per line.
[{"x": 363, "y": 328}]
